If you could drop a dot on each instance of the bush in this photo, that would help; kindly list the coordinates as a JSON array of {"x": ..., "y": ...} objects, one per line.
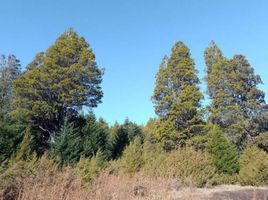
[
  {"x": 182, "y": 164},
  {"x": 26, "y": 173},
  {"x": 226, "y": 179},
  {"x": 90, "y": 168},
  {"x": 132, "y": 159},
  {"x": 253, "y": 167}
]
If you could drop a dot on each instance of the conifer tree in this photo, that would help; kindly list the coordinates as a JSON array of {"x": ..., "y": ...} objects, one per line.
[
  {"x": 66, "y": 147},
  {"x": 95, "y": 138},
  {"x": 237, "y": 105},
  {"x": 58, "y": 83},
  {"x": 249, "y": 97},
  {"x": 120, "y": 140},
  {"x": 223, "y": 152},
  {"x": 177, "y": 98},
  {"x": 132, "y": 159},
  {"x": 24, "y": 151}
]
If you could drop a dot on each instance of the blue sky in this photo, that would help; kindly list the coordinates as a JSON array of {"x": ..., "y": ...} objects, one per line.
[{"x": 129, "y": 39}]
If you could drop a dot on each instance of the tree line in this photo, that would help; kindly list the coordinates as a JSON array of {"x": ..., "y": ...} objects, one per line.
[{"x": 42, "y": 107}]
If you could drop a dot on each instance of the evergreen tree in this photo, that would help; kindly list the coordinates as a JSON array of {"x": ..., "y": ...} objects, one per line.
[
  {"x": 95, "y": 137},
  {"x": 11, "y": 134},
  {"x": 9, "y": 71},
  {"x": 237, "y": 105},
  {"x": 177, "y": 98},
  {"x": 133, "y": 130},
  {"x": 66, "y": 147},
  {"x": 223, "y": 152},
  {"x": 24, "y": 151},
  {"x": 58, "y": 83},
  {"x": 223, "y": 110},
  {"x": 132, "y": 159},
  {"x": 120, "y": 140},
  {"x": 250, "y": 98}
]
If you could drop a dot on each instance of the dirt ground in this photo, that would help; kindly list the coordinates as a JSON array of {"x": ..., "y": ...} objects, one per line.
[{"x": 222, "y": 193}]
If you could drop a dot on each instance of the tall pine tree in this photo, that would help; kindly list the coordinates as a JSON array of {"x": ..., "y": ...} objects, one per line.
[
  {"x": 237, "y": 105},
  {"x": 177, "y": 98}
]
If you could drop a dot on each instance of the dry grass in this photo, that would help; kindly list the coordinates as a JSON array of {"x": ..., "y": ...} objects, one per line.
[
  {"x": 67, "y": 186},
  {"x": 44, "y": 181}
]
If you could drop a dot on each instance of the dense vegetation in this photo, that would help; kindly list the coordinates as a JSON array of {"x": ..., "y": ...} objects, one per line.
[{"x": 42, "y": 120}]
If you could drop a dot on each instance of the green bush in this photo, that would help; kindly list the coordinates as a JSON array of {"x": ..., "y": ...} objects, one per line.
[
  {"x": 132, "y": 159},
  {"x": 253, "y": 167},
  {"x": 182, "y": 164},
  {"x": 90, "y": 168}
]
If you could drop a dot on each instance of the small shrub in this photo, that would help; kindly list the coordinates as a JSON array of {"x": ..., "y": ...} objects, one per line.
[
  {"x": 132, "y": 159},
  {"x": 225, "y": 179},
  {"x": 182, "y": 164},
  {"x": 253, "y": 167},
  {"x": 90, "y": 168}
]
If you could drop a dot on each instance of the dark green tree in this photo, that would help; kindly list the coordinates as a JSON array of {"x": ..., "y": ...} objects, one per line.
[
  {"x": 66, "y": 147},
  {"x": 58, "y": 83},
  {"x": 177, "y": 98},
  {"x": 95, "y": 137},
  {"x": 119, "y": 140},
  {"x": 223, "y": 152},
  {"x": 11, "y": 134},
  {"x": 24, "y": 151},
  {"x": 133, "y": 130}
]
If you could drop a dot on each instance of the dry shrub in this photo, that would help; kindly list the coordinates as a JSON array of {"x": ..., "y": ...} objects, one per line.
[{"x": 225, "y": 179}]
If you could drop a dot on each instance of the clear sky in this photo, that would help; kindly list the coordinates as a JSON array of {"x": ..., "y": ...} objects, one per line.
[{"x": 130, "y": 38}]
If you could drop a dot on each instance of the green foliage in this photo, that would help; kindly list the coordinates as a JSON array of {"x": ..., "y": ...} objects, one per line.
[
  {"x": 177, "y": 98},
  {"x": 10, "y": 138},
  {"x": 24, "y": 152},
  {"x": 238, "y": 106},
  {"x": 253, "y": 167},
  {"x": 95, "y": 137},
  {"x": 122, "y": 135},
  {"x": 88, "y": 168},
  {"x": 182, "y": 164},
  {"x": 132, "y": 159},
  {"x": 58, "y": 83},
  {"x": 198, "y": 142},
  {"x": 225, "y": 158},
  {"x": 66, "y": 147}
]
